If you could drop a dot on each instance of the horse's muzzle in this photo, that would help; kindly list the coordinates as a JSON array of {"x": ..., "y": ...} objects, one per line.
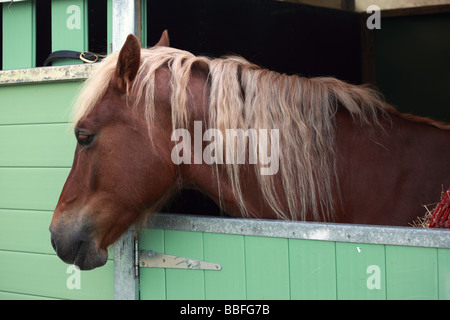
[{"x": 77, "y": 248}]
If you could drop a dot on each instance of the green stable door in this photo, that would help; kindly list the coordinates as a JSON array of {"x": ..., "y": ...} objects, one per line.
[{"x": 256, "y": 267}]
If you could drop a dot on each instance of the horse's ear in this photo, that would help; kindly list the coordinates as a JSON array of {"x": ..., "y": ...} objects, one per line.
[
  {"x": 164, "y": 40},
  {"x": 128, "y": 63}
]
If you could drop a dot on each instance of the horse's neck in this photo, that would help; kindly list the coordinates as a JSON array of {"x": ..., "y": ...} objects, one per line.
[
  {"x": 214, "y": 184},
  {"x": 201, "y": 177},
  {"x": 385, "y": 178}
]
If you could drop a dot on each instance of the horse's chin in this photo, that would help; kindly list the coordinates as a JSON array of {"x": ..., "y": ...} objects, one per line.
[
  {"x": 89, "y": 257},
  {"x": 84, "y": 254}
]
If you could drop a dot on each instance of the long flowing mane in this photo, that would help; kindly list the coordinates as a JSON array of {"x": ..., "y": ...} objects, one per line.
[{"x": 243, "y": 95}]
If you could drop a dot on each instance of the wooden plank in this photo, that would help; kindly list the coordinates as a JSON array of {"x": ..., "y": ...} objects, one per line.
[
  {"x": 31, "y": 188},
  {"x": 411, "y": 273},
  {"x": 43, "y": 145},
  {"x": 45, "y": 75},
  {"x": 152, "y": 280},
  {"x": 227, "y": 250},
  {"x": 18, "y": 296},
  {"x": 144, "y": 24},
  {"x": 22, "y": 230},
  {"x": 275, "y": 268},
  {"x": 184, "y": 283},
  {"x": 444, "y": 273},
  {"x": 27, "y": 231},
  {"x": 267, "y": 268},
  {"x": 19, "y": 35},
  {"x": 312, "y": 267},
  {"x": 360, "y": 271},
  {"x": 69, "y": 27},
  {"x": 42, "y": 103},
  {"x": 45, "y": 275},
  {"x": 109, "y": 25}
]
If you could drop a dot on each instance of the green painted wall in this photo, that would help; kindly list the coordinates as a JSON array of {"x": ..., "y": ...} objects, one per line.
[
  {"x": 19, "y": 22},
  {"x": 69, "y": 27},
  {"x": 69, "y": 31},
  {"x": 37, "y": 147},
  {"x": 277, "y": 268}
]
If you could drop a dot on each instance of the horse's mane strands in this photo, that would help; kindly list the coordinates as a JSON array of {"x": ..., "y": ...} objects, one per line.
[
  {"x": 243, "y": 95},
  {"x": 94, "y": 88}
]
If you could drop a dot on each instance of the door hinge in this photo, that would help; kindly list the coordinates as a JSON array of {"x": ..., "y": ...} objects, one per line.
[{"x": 152, "y": 259}]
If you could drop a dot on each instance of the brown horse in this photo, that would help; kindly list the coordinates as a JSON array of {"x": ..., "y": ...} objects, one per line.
[{"x": 152, "y": 122}]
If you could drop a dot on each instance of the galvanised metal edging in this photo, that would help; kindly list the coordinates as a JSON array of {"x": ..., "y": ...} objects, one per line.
[
  {"x": 402, "y": 236},
  {"x": 46, "y": 74}
]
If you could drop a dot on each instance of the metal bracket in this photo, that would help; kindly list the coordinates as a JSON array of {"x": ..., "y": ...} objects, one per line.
[{"x": 152, "y": 259}]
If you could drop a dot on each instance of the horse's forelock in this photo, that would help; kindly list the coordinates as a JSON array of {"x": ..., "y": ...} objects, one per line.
[{"x": 94, "y": 88}]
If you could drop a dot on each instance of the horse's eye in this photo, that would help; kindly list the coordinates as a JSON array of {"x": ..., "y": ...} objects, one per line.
[{"x": 84, "y": 138}]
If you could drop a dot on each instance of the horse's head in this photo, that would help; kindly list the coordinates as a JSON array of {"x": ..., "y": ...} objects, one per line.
[{"x": 117, "y": 172}]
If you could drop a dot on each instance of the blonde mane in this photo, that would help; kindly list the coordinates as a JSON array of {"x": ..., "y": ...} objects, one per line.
[{"x": 243, "y": 95}]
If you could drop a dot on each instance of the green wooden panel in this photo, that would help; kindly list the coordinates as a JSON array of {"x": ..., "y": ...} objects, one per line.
[
  {"x": 444, "y": 273},
  {"x": 45, "y": 275},
  {"x": 25, "y": 231},
  {"x": 255, "y": 267},
  {"x": 183, "y": 283},
  {"x": 312, "y": 269},
  {"x": 267, "y": 268},
  {"x": 152, "y": 280},
  {"x": 18, "y": 296},
  {"x": 227, "y": 250},
  {"x": 36, "y": 145},
  {"x": 69, "y": 27},
  {"x": 38, "y": 103},
  {"x": 361, "y": 271},
  {"x": 411, "y": 273},
  {"x": 31, "y": 188},
  {"x": 109, "y": 25},
  {"x": 19, "y": 35},
  {"x": 144, "y": 25}
]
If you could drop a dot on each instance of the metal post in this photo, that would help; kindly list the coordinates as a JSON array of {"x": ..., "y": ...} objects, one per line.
[
  {"x": 126, "y": 283},
  {"x": 125, "y": 20}
]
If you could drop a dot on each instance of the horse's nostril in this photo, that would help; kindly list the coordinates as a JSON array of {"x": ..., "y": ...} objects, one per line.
[{"x": 78, "y": 248}]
